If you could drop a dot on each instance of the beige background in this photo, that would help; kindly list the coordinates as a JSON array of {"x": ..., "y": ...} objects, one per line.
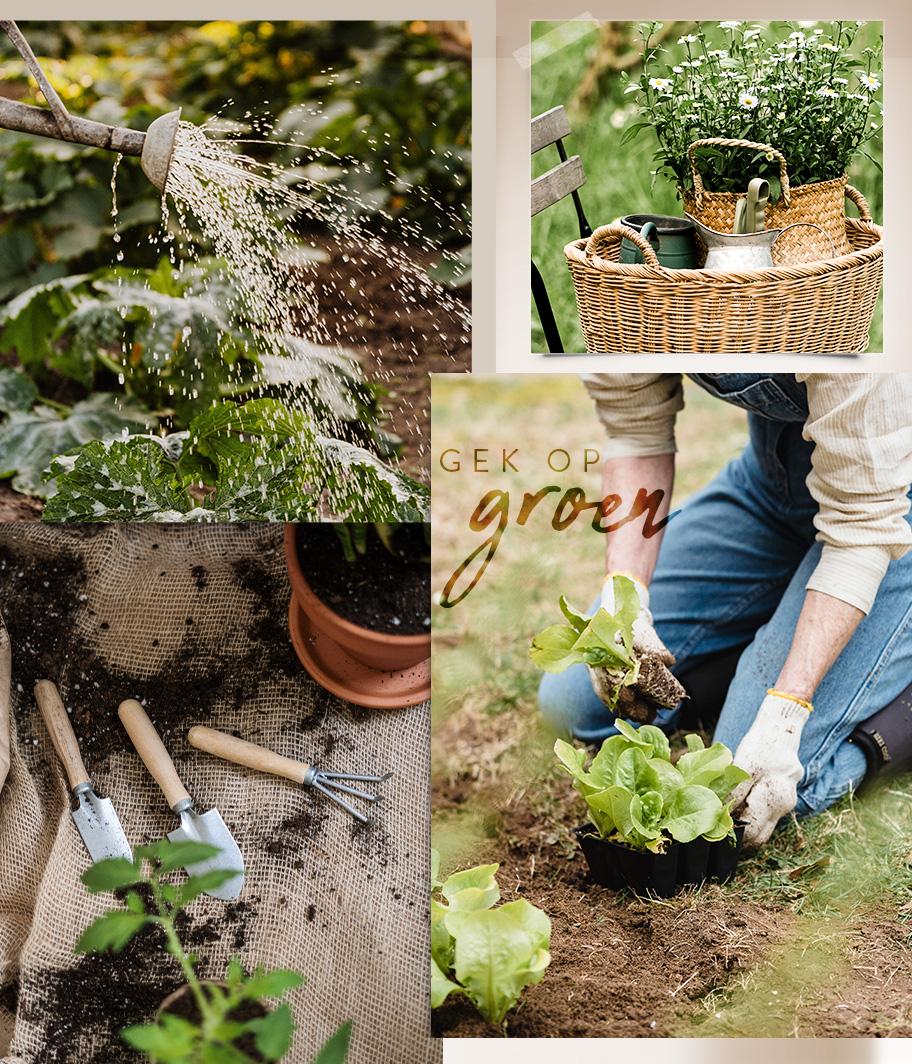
[{"x": 513, "y": 169}]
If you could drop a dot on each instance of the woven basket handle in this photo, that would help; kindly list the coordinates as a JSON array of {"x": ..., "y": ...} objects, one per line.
[
  {"x": 864, "y": 211},
  {"x": 724, "y": 142},
  {"x": 623, "y": 231}
]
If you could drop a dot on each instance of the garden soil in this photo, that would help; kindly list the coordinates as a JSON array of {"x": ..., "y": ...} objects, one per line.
[
  {"x": 191, "y": 621},
  {"x": 625, "y": 967}
]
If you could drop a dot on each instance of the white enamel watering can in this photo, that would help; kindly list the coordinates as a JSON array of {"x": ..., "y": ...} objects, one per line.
[{"x": 742, "y": 251}]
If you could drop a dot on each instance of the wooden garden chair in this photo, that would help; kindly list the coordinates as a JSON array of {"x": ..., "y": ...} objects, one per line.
[{"x": 561, "y": 181}]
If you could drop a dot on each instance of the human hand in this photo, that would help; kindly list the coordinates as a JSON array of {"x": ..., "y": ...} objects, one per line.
[
  {"x": 655, "y": 686},
  {"x": 769, "y": 752}
]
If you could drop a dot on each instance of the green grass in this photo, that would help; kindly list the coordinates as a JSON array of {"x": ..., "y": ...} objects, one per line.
[
  {"x": 827, "y": 881},
  {"x": 619, "y": 181}
]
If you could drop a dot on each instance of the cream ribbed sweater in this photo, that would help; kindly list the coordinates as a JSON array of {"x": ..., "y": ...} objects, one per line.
[{"x": 861, "y": 427}]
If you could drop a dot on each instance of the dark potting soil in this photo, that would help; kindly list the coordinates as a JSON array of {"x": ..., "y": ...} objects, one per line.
[
  {"x": 41, "y": 600},
  {"x": 379, "y": 590}
]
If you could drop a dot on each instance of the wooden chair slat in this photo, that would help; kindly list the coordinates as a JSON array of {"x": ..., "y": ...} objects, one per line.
[
  {"x": 549, "y": 127},
  {"x": 558, "y": 182}
]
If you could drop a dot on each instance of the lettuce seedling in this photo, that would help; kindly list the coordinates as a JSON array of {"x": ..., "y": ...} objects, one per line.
[
  {"x": 603, "y": 641},
  {"x": 487, "y": 954},
  {"x": 635, "y": 795}
]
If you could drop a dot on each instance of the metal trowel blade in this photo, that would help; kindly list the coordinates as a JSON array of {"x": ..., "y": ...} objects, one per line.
[
  {"x": 100, "y": 828},
  {"x": 211, "y": 829}
]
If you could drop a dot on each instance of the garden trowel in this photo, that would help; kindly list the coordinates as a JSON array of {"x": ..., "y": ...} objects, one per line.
[
  {"x": 329, "y": 784},
  {"x": 95, "y": 817},
  {"x": 194, "y": 827}
]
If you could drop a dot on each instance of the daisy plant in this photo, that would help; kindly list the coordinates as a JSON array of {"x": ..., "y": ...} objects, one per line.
[{"x": 809, "y": 90}]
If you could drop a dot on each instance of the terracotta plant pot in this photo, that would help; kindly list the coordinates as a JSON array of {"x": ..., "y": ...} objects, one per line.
[{"x": 342, "y": 655}]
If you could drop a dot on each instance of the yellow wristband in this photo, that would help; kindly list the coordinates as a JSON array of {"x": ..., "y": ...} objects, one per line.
[{"x": 792, "y": 698}]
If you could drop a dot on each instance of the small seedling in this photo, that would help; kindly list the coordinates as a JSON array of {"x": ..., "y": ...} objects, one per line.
[
  {"x": 635, "y": 795},
  {"x": 604, "y": 641},
  {"x": 215, "y": 1034},
  {"x": 489, "y": 955}
]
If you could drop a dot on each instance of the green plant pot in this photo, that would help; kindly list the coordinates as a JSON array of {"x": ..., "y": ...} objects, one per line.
[{"x": 674, "y": 240}]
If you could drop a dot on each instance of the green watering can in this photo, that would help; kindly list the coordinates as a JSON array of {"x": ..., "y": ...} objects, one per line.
[{"x": 673, "y": 240}]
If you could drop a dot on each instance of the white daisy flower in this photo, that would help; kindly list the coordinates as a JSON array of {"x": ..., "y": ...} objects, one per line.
[
  {"x": 829, "y": 46},
  {"x": 750, "y": 34},
  {"x": 797, "y": 36},
  {"x": 660, "y": 84},
  {"x": 870, "y": 82},
  {"x": 677, "y": 70},
  {"x": 827, "y": 91},
  {"x": 729, "y": 24},
  {"x": 689, "y": 39},
  {"x": 748, "y": 101},
  {"x": 719, "y": 53},
  {"x": 841, "y": 81}
]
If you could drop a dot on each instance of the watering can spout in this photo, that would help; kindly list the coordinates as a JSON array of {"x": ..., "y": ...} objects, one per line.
[
  {"x": 154, "y": 148},
  {"x": 158, "y": 148}
]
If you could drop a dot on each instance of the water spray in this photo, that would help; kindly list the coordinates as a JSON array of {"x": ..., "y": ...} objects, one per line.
[{"x": 154, "y": 148}]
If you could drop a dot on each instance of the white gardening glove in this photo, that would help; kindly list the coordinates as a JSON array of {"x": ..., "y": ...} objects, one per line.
[
  {"x": 655, "y": 686},
  {"x": 769, "y": 752}
]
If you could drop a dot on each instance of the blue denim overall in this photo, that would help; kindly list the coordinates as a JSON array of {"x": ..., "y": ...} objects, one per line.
[{"x": 731, "y": 573}]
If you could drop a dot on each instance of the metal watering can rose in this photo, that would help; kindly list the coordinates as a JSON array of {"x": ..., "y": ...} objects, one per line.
[{"x": 154, "y": 148}]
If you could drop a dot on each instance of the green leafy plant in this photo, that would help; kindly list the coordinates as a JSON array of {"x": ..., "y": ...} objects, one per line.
[
  {"x": 602, "y": 641},
  {"x": 353, "y": 538},
  {"x": 249, "y": 462},
  {"x": 635, "y": 794},
  {"x": 218, "y": 1033},
  {"x": 489, "y": 955},
  {"x": 808, "y": 92}
]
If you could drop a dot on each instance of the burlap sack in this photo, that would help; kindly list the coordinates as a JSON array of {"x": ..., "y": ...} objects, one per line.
[{"x": 193, "y": 620}]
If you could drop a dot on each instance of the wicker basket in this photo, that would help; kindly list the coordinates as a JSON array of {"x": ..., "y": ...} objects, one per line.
[
  {"x": 821, "y": 202},
  {"x": 824, "y": 306}
]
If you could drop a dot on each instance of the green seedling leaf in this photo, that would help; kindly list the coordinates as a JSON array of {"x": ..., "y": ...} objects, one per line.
[
  {"x": 670, "y": 780},
  {"x": 171, "y": 1040},
  {"x": 694, "y": 742},
  {"x": 29, "y": 440},
  {"x": 635, "y": 773},
  {"x": 17, "y": 391},
  {"x": 436, "y": 881},
  {"x": 111, "y": 932},
  {"x": 272, "y": 984},
  {"x": 441, "y": 939},
  {"x": 473, "y": 888},
  {"x": 111, "y": 874},
  {"x": 335, "y": 1049},
  {"x": 631, "y": 734},
  {"x": 499, "y": 952},
  {"x": 576, "y": 620},
  {"x": 553, "y": 649},
  {"x": 645, "y": 815},
  {"x": 659, "y": 747},
  {"x": 602, "y": 641},
  {"x": 272, "y": 1033},
  {"x": 173, "y": 855},
  {"x": 441, "y": 985},
  {"x": 692, "y": 812},
  {"x": 202, "y": 884}
]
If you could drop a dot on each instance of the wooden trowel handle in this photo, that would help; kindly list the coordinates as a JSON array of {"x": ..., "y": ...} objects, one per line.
[
  {"x": 61, "y": 730},
  {"x": 152, "y": 750},
  {"x": 243, "y": 753}
]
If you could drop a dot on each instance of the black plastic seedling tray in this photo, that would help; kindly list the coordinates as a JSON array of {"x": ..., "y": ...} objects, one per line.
[{"x": 615, "y": 865}]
